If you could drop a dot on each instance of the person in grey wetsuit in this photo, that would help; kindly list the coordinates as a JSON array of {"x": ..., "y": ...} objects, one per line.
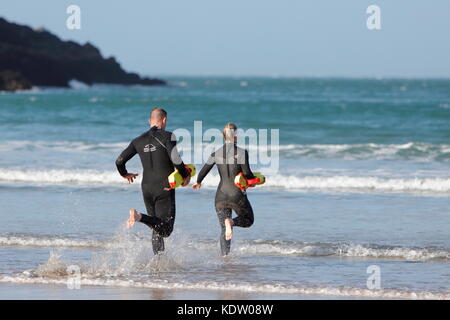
[
  {"x": 159, "y": 157},
  {"x": 230, "y": 161}
]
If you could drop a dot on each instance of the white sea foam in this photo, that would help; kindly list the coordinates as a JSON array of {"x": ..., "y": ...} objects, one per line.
[
  {"x": 78, "y": 85},
  {"x": 33, "y": 90},
  {"x": 247, "y": 247},
  {"x": 62, "y": 146},
  {"x": 50, "y": 242},
  {"x": 126, "y": 261},
  {"x": 86, "y": 280},
  {"x": 84, "y": 177},
  {"x": 401, "y": 253},
  {"x": 284, "y": 248},
  {"x": 411, "y": 150},
  {"x": 288, "y": 182},
  {"x": 345, "y": 183}
]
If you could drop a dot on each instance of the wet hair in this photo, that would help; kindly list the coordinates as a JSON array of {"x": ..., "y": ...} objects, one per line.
[
  {"x": 158, "y": 113},
  {"x": 229, "y": 132}
]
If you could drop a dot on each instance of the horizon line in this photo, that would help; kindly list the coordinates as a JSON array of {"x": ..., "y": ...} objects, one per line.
[{"x": 261, "y": 76}]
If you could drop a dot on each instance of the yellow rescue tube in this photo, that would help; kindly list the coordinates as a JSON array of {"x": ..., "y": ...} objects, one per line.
[
  {"x": 243, "y": 183},
  {"x": 175, "y": 178}
]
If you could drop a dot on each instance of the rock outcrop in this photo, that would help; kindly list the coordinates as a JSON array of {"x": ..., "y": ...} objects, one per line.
[
  {"x": 13, "y": 81},
  {"x": 38, "y": 58}
]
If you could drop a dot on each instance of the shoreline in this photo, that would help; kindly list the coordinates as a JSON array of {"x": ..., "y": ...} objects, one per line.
[{"x": 9, "y": 291}]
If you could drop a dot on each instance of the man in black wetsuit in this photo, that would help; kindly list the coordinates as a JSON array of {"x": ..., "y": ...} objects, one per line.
[
  {"x": 159, "y": 156},
  {"x": 230, "y": 161}
]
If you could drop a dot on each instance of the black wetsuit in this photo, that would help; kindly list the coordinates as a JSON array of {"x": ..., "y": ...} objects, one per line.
[
  {"x": 230, "y": 161},
  {"x": 159, "y": 157}
]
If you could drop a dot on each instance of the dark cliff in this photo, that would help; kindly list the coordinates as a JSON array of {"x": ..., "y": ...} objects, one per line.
[{"x": 38, "y": 58}]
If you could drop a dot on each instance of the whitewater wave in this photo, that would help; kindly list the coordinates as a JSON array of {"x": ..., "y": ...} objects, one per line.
[
  {"x": 80, "y": 177},
  {"x": 86, "y": 280},
  {"x": 78, "y": 85},
  {"x": 127, "y": 262},
  {"x": 342, "y": 183},
  {"x": 51, "y": 242},
  {"x": 286, "y": 248},
  {"x": 62, "y": 146},
  {"x": 370, "y": 151},
  {"x": 246, "y": 247},
  {"x": 350, "y": 183}
]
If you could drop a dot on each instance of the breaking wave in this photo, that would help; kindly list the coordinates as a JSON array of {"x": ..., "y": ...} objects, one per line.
[
  {"x": 408, "y": 151},
  {"x": 87, "y": 280},
  {"x": 247, "y": 247},
  {"x": 126, "y": 261},
  {"x": 278, "y": 181}
]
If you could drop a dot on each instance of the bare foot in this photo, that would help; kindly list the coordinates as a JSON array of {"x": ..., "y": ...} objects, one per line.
[
  {"x": 228, "y": 229},
  {"x": 134, "y": 216}
]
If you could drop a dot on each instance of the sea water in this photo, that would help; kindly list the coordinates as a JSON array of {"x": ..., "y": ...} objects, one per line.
[{"x": 363, "y": 182}]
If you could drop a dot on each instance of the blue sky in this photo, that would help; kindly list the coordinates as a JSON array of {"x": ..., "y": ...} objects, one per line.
[{"x": 256, "y": 37}]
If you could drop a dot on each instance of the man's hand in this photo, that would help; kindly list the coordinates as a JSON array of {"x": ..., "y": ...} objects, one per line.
[
  {"x": 186, "y": 181},
  {"x": 197, "y": 186},
  {"x": 130, "y": 177}
]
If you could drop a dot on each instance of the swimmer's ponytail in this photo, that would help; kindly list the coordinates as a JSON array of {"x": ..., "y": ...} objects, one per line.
[{"x": 229, "y": 132}]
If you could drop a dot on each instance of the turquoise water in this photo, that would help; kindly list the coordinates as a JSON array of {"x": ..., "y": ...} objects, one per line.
[{"x": 363, "y": 180}]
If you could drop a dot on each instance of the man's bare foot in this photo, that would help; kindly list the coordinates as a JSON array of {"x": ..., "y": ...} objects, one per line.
[
  {"x": 228, "y": 229},
  {"x": 134, "y": 216}
]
